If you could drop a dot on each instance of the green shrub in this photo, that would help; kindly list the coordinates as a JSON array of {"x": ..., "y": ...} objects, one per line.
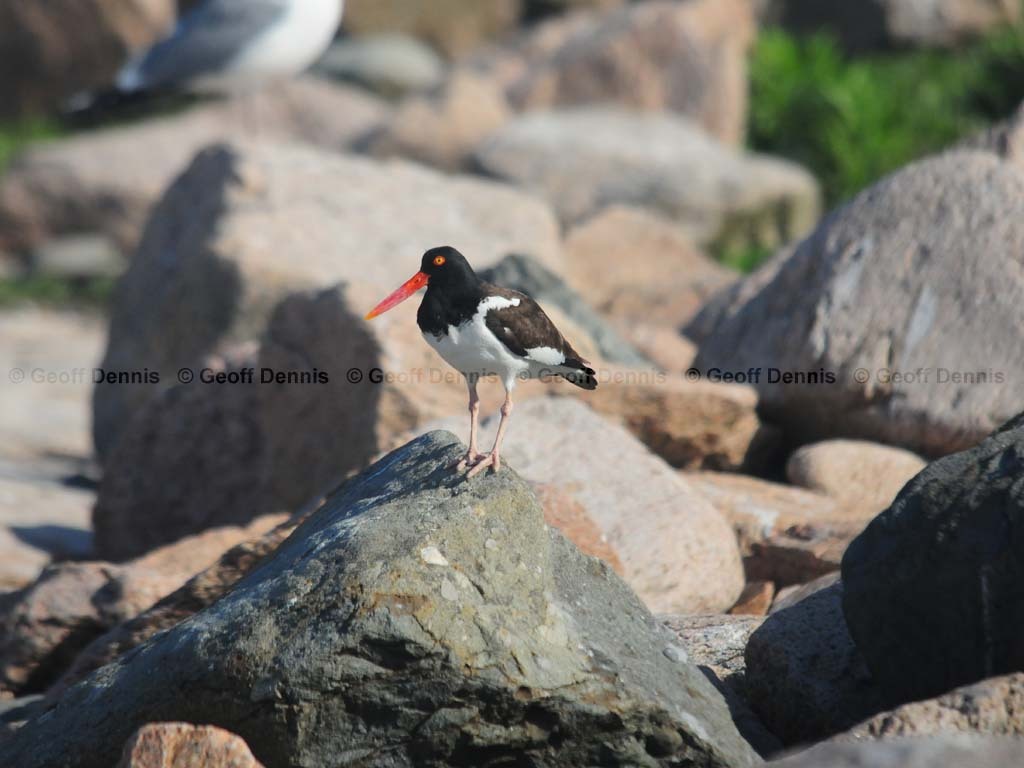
[
  {"x": 90, "y": 293},
  {"x": 17, "y": 135},
  {"x": 852, "y": 120}
]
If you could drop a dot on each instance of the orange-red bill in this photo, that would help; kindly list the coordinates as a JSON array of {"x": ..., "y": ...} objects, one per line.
[{"x": 410, "y": 287}]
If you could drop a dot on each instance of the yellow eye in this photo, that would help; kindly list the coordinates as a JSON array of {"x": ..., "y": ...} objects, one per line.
[{"x": 439, "y": 261}]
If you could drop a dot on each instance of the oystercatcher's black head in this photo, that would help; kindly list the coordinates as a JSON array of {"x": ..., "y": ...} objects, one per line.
[
  {"x": 446, "y": 267},
  {"x": 443, "y": 268}
]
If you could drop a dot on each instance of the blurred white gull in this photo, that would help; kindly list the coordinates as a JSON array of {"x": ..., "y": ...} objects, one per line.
[{"x": 222, "y": 45}]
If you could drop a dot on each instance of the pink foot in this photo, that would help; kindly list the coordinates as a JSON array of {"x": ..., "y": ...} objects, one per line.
[
  {"x": 490, "y": 460},
  {"x": 471, "y": 459}
]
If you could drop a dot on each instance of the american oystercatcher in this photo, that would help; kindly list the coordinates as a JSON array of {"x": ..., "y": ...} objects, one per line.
[{"x": 483, "y": 330}]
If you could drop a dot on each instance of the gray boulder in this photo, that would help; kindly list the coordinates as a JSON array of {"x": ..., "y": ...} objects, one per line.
[
  {"x": 933, "y": 594},
  {"x": 587, "y": 159},
  {"x": 416, "y": 618},
  {"x": 249, "y": 223},
  {"x": 804, "y": 676},
  {"x": 898, "y": 320}
]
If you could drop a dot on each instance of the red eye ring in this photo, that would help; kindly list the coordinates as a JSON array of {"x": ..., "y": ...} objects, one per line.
[{"x": 439, "y": 261}]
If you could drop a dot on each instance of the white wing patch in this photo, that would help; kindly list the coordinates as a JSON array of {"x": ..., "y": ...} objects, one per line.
[
  {"x": 545, "y": 355},
  {"x": 495, "y": 302}
]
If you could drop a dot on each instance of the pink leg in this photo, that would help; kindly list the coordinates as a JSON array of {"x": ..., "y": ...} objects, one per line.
[
  {"x": 493, "y": 459},
  {"x": 473, "y": 455}
]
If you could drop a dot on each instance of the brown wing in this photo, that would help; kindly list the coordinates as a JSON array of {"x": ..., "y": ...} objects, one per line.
[{"x": 527, "y": 331}]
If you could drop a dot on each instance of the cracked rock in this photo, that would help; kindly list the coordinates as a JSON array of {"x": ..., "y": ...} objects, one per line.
[{"x": 343, "y": 647}]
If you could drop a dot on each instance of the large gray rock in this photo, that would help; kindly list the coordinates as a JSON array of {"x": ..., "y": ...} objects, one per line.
[
  {"x": 871, "y": 24},
  {"x": 415, "y": 618},
  {"x": 933, "y": 593},
  {"x": 587, "y": 159},
  {"x": 248, "y": 224},
  {"x": 804, "y": 675},
  {"x": 947, "y": 752},
  {"x": 901, "y": 314},
  {"x": 109, "y": 180}
]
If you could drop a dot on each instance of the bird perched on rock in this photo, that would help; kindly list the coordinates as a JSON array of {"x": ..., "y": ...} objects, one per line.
[
  {"x": 222, "y": 45},
  {"x": 482, "y": 330}
]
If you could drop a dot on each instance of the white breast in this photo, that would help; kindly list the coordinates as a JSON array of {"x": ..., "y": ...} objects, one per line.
[
  {"x": 472, "y": 349},
  {"x": 289, "y": 46}
]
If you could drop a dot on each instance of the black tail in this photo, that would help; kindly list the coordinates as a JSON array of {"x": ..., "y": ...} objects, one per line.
[
  {"x": 91, "y": 108},
  {"x": 582, "y": 375},
  {"x": 95, "y": 108}
]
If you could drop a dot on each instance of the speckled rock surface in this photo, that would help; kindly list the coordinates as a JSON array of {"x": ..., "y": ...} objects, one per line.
[
  {"x": 946, "y": 752},
  {"x": 414, "y": 618},
  {"x": 993, "y": 707},
  {"x": 183, "y": 745}
]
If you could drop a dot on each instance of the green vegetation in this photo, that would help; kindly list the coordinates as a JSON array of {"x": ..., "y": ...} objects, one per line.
[
  {"x": 17, "y": 135},
  {"x": 742, "y": 258},
  {"x": 92, "y": 293},
  {"x": 852, "y": 120}
]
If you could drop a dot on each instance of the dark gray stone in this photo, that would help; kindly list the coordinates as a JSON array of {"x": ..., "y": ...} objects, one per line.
[
  {"x": 804, "y": 676},
  {"x": 935, "y": 584},
  {"x": 416, "y": 618},
  {"x": 522, "y": 273}
]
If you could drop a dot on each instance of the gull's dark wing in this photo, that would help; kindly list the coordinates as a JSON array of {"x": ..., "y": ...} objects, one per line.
[{"x": 204, "y": 42}]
